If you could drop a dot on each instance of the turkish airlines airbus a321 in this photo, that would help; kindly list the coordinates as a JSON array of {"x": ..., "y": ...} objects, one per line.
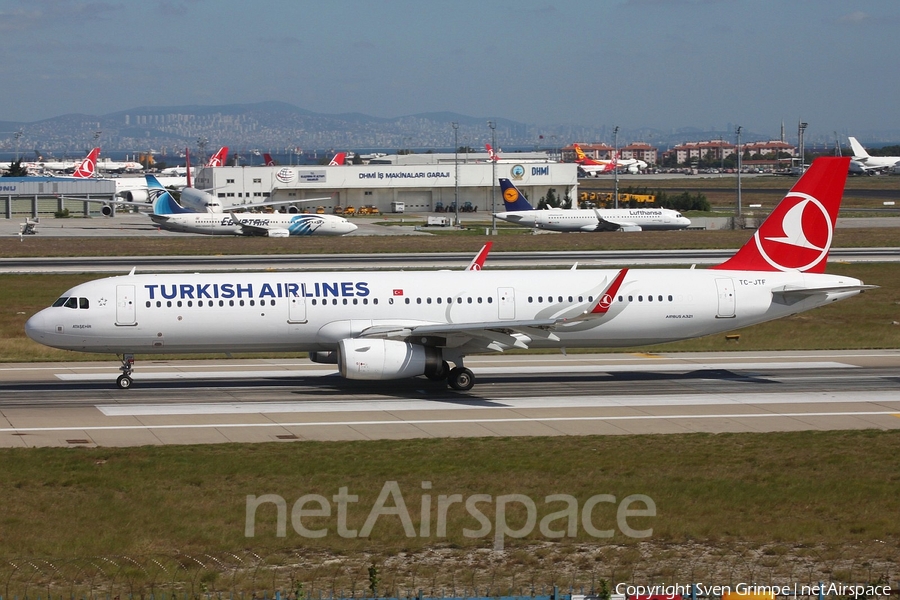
[{"x": 389, "y": 325}]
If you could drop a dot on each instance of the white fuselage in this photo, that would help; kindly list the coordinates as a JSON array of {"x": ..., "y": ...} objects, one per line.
[
  {"x": 586, "y": 220},
  {"x": 254, "y": 223},
  {"x": 308, "y": 311}
]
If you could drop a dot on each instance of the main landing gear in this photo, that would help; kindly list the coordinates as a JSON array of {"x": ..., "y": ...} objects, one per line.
[
  {"x": 459, "y": 378},
  {"x": 124, "y": 380}
]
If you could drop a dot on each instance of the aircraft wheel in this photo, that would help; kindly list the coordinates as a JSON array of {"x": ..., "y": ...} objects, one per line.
[
  {"x": 124, "y": 382},
  {"x": 461, "y": 378}
]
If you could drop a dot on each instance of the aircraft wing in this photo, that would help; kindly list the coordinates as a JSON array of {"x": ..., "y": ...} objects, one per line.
[
  {"x": 490, "y": 335},
  {"x": 280, "y": 202},
  {"x": 613, "y": 225},
  {"x": 250, "y": 229},
  {"x": 500, "y": 335}
]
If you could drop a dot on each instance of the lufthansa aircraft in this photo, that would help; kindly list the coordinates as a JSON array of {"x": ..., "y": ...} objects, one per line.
[
  {"x": 520, "y": 212},
  {"x": 382, "y": 325}
]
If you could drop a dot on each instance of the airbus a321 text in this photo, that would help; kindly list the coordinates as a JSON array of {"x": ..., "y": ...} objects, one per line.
[{"x": 382, "y": 325}]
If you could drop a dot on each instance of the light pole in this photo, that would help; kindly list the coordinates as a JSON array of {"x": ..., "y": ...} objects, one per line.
[
  {"x": 18, "y": 135},
  {"x": 456, "y": 162},
  {"x": 801, "y": 130},
  {"x": 739, "y": 157},
  {"x": 616, "y": 163},
  {"x": 493, "y": 127}
]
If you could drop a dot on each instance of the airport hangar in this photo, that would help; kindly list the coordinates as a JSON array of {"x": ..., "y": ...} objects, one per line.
[
  {"x": 417, "y": 182},
  {"x": 44, "y": 196}
]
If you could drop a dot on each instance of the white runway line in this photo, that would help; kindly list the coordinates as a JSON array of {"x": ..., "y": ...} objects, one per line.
[
  {"x": 511, "y": 370},
  {"x": 729, "y": 416},
  {"x": 482, "y": 403}
]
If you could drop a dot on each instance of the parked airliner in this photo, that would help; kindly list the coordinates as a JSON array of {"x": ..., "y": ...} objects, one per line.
[
  {"x": 520, "y": 212},
  {"x": 382, "y": 325},
  {"x": 863, "y": 162},
  {"x": 168, "y": 214},
  {"x": 594, "y": 167},
  {"x": 216, "y": 160}
]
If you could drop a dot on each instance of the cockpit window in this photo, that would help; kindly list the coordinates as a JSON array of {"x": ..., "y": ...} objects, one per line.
[
  {"x": 83, "y": 303},
  {"x": 71, "y": 303},
  {"x": 60, "y": 302}
]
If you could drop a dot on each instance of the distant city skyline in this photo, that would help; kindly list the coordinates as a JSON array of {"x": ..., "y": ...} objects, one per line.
[
  {"x": 280, "y": 127},
  {"x": 639, "y": 64}
]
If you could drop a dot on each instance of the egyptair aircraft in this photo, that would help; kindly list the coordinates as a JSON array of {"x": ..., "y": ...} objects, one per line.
[
  {"x": 170, "y": 215},
  {"x": 520, "y": 212},
  {"x": 395, "y": 324}
]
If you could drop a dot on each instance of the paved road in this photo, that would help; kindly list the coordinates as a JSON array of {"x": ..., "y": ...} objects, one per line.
[{"x": 190, "y": 402}]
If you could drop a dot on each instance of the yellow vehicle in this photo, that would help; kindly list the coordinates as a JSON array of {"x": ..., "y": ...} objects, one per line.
[
  {"x": 349, "y": 211},
  {"x": 338, "y": 210},
  {"x": 320, "y": 210},
  {"x": 368, "y": 210}
]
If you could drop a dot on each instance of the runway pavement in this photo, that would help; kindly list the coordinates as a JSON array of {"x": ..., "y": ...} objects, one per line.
[{"x": 190, "y": 402}]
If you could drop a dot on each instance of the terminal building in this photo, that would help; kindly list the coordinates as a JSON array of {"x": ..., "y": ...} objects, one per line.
[{"x": 399, "y": 183}]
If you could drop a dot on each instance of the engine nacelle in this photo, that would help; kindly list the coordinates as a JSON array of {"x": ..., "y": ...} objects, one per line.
[
  {"x": 106, "y": 210},
  {"x": 293, "y": 210},
  {"x": 137, "y": 195},
  {"x": 376, "y": 359}
]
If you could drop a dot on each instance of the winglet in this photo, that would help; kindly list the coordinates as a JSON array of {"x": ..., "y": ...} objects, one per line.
[
  {"x": 601, "y": 305},
  {"x": 797, "y": 235},
  {"x": 478, "y": 262}
]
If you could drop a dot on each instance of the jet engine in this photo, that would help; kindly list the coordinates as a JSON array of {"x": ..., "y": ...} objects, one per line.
[
  {"x": 375, "y": 359},
  {"x": 137, "y": 195}
]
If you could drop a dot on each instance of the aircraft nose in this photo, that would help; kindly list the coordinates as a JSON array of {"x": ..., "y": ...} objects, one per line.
[
  {"x": 350, "y": 227},
  {"x": 35, "y": 326}
]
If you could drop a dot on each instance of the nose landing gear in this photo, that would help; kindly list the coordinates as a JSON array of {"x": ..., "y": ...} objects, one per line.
[{"x": 124, "y": 380}]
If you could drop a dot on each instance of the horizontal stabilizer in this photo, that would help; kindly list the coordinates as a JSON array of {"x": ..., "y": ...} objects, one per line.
[{"x": 792, "y": 294}]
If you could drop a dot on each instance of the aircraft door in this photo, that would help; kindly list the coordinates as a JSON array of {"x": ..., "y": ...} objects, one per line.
[
  {"x": 297, "y": 309},
  {"x": 725, "y": 289},
  {"x": 506, "y": 303},
  {"x": 125, "y": 306}
]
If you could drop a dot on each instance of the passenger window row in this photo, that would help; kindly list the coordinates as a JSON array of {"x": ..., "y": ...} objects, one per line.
[
  {"x": 648, "y": 298},
  {"x": 550, "y": 299},
  {"x": 210, "y": 303}
]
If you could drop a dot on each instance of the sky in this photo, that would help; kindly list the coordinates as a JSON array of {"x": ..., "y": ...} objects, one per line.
[{"x": 665, "y": 64}]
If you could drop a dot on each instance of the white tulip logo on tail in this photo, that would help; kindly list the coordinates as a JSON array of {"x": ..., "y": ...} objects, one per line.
[{"x": 805, "y": 227}]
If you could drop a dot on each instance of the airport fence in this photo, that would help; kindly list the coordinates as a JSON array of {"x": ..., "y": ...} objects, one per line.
[{"x": 543, "y": 573}]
